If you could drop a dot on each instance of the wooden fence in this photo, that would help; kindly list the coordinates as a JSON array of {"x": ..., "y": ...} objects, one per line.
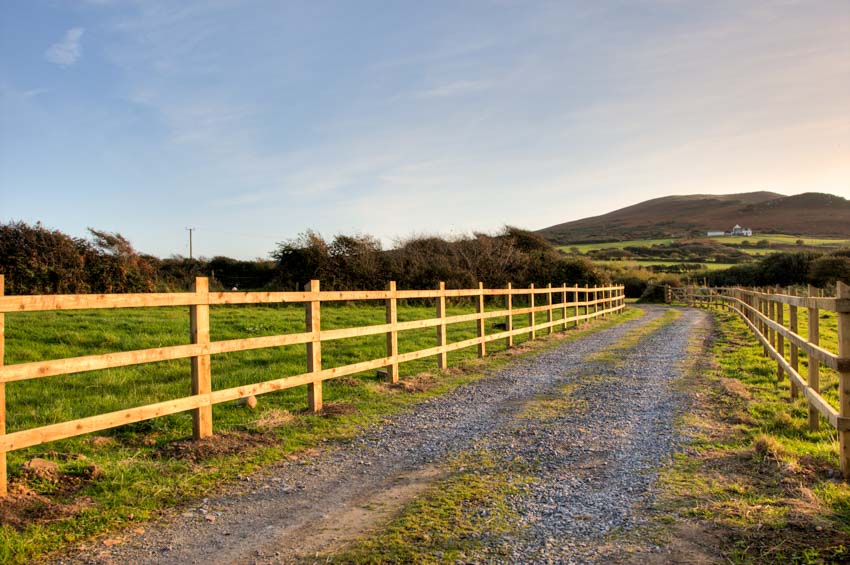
[
  {"x": 764, "y": 314},
  {"x": 589, "y": 303}
]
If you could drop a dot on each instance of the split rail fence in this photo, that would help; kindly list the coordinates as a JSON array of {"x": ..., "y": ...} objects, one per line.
[
  {"x": 588, "y": 303},
  {"x": 764, "y": 314}
]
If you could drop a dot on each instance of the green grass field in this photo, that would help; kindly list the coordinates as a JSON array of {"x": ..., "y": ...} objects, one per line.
[
  {"x": 134, "y": 483},
  {"x": 782, "y": 242},
  {"x": 772, "y": 238},
  {"x": 785, "y": 240},
  {"x": 585, "y": 247},
  {"x": 54, "y": 335},
  {"x": 637, "y": 264}
]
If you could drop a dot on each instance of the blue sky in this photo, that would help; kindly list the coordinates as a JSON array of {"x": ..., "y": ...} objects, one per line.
[{"x": 256, "y": 120}]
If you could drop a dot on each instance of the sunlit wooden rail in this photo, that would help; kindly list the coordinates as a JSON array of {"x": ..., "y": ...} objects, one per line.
[
  {"x": 587, "y": 303},
  {"x": 764, "y": 314}
]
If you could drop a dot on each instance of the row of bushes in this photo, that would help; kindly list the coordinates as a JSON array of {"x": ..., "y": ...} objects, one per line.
[
  {"x": 38, "y": 260},
  {"x": 358, "y": 262},
  {"x": 785, "y": 269}
]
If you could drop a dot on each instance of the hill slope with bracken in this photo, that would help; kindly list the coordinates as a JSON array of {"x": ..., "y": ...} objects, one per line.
[{"x": 810, "y": 214}]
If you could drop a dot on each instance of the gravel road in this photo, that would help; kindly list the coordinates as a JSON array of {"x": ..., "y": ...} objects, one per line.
[{"x": 593, "y": 473}]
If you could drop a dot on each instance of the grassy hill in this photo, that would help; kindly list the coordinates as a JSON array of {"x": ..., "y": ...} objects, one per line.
[{"x": 808, "y": 215}]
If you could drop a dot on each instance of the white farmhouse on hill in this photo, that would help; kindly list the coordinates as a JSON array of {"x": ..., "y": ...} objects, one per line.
[{"x": 738, "y": 230}]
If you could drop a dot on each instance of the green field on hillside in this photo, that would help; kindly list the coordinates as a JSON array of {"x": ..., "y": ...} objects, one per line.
[
  {"x": 713, "y": 257},
  {"x": 772, "y": 238},
  {"x": 632, "y": 264}
]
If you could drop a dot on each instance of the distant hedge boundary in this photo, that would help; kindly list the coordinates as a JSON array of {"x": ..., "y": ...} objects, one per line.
[{"x": 39, "y": 260}]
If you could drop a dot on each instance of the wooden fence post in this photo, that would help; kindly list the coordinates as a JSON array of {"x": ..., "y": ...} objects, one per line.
[
  {"x": 814, "y": 366},
  {"x": 586, "y": 303},
  {"x": 531, "y": 318},
  {"x": 795, "y": 352},
  {"x": 549, "y": 316},
  {"x": 392, "y": 335},
  {"x": 482, "y": 345},
  {"x": 843, "y": 291},
  {"x": 604, "y": 300},
  {"x": 199, "y": 332},
  {"x": 4, "y": 490},
  {"x": 313, "y": 312},
  {"x": 754, "y": 307},
  {"x": 509, "y": 319},
  {"x": 564, "y": 305},
  {"x": 442, "y": 357},
  {"x": 764, "y": 311},
  {"x": 595, "y": 302},
  {"x": 780, "y": 340},
  {"x": 575, "y": 307},
  {"x": 771, "y": 314}
]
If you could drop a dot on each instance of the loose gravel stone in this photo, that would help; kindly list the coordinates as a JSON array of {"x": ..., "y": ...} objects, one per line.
[{"x": 593, "y": 466}]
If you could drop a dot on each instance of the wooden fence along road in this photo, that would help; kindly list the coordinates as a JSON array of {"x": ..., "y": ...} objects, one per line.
[
  {"x": 764, "y": 314},
  {"x": 588, "y": 302}
]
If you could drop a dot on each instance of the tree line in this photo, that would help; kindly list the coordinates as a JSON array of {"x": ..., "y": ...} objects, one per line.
[
  {"x": 787, "y": 269},
  {"x": 39, "y": 260}
]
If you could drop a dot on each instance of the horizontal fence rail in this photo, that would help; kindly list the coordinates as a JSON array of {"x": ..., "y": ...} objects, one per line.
[
  {"x": 764, "y": 313},
  {"x": 588, "y": 303}
]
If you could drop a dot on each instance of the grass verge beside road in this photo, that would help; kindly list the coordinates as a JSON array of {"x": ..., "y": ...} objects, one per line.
[{"x": 755, "y": 485}]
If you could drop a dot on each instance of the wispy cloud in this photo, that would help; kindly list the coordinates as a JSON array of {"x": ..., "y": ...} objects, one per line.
[
  {"x": 456, "y": 88},
  {"x": 68, "y": 51},
  {"x": 32, "y": 93}
]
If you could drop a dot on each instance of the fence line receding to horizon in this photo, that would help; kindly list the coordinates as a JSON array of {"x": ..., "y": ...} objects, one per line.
[
  {"x": 765, "y": 316},
  {"x": 587, "y": 303}
]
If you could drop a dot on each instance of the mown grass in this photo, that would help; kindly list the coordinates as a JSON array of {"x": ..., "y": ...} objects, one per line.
[
  {"x": 134, "y": 481},
  {"x": 756, "y": 482}
]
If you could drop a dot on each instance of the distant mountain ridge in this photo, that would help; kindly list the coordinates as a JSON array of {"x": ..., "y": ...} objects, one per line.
[{"x": 810, "y": 214}]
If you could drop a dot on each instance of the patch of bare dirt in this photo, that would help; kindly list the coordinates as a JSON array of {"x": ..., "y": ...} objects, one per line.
[
  {"x": 23, "y": 508},
  {"x": 222, "y": 444},
  {"x": 102, "y": 441},
  {"x": 336, "y": 530},
  {"x": 338, "y": 409},
  {"x": 737, "y": 388},
  {"x": 689, "y": 544},
  {"x": 417, "y": 383},
  {"x": 51, "y": 477}
]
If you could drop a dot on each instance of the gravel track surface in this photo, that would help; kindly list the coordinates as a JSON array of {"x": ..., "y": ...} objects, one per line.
[{"x": 593, "y": 467}]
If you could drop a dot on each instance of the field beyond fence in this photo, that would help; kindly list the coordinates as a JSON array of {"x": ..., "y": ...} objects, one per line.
[
  {"x": 561, "y": 306},
  {"x": 777, "y": 320}
]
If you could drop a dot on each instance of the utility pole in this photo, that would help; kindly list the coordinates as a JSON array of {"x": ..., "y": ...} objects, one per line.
[{"x": 190, "y": 230}]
